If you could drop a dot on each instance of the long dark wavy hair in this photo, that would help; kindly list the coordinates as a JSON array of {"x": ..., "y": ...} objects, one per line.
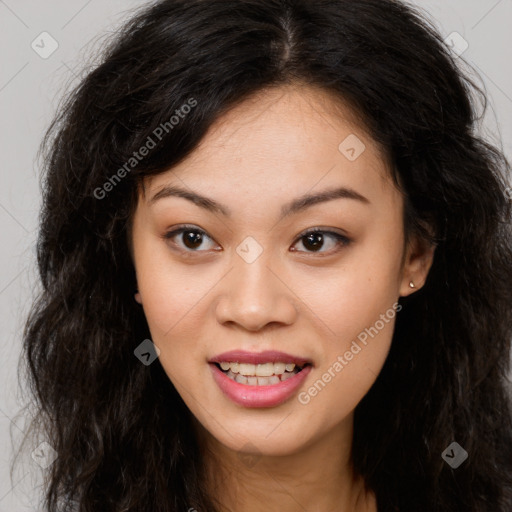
[{"x": 121, "y": 432}]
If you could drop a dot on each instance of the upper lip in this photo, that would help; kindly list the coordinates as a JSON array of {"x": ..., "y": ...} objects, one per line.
[{"x": 268, "y": 356}]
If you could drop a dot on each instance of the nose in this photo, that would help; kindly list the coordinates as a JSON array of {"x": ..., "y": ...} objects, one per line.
[{"x": 254, "y": 295}]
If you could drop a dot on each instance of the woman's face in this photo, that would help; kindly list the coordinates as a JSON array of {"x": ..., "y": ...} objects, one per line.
[{"x": 246, "y": 274}]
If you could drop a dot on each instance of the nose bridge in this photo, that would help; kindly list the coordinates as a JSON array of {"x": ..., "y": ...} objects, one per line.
[
  {"x": 254, "y": 279},
  {"x": 253, "y": 295}
]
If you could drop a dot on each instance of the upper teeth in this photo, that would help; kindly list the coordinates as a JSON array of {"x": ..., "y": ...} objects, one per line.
[{"x": 260, "y": 370}]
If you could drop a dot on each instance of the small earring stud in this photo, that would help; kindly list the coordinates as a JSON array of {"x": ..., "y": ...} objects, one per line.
[{"x": 411, "y": 284}]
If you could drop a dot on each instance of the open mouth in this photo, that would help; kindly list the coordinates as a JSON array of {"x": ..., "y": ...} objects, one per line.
[{"x": 265, "y": 374}]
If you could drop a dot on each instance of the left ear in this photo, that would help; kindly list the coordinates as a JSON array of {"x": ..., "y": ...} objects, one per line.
[{"x": 418, "y": 260}]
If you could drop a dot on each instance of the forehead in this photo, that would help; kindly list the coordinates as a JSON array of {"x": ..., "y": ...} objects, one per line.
[{"x": 282, "y": 141}]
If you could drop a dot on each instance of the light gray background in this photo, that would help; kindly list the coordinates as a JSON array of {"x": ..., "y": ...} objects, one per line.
[{"x": 30, "y": 88}]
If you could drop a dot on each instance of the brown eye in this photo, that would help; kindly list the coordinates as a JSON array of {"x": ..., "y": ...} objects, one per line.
[
  {"x": 314, "y": 240},
  {"x": 191, "y": 238}
]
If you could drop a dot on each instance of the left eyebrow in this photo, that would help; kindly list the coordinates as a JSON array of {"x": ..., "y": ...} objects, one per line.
[
  {"x": 299, "y": 204},
  {"x": 308, "y": 200}
]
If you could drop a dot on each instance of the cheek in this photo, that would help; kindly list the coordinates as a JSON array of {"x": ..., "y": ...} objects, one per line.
[
  {"x": 351, "y": 363},
  {"x": 171, "y": 292},
  {"x": 355, "y": 310},
  {"x": 174, "y": 310},
  {"x": 352, "y": 297}
]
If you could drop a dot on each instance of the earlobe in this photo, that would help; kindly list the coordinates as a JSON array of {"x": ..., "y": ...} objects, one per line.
[
  {"x": 418, "y": 263},
  {"x": 138, "y": 298}
]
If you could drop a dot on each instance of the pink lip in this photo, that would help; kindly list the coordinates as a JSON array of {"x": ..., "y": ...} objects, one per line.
[
  {"x": 258, "y": 396},
  {"x": 269, "y": 356}
]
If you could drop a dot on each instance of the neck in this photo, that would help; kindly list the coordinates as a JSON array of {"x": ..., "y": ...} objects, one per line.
[{"x": 316, "y": 477}]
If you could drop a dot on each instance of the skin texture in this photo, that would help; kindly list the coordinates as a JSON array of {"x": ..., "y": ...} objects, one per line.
[{"x": 267, "y": 151}]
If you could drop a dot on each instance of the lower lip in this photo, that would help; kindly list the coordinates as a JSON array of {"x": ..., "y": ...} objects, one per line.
[{"x": 258, "y": 396}]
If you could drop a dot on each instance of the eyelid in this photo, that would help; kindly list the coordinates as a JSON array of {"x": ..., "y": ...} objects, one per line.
[
  {"x": 183, "y": 227},
  {"x": 321, "y": 229}
]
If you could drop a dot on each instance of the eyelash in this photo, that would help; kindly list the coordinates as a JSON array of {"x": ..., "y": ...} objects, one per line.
[{"x": 341, "y": 241}]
